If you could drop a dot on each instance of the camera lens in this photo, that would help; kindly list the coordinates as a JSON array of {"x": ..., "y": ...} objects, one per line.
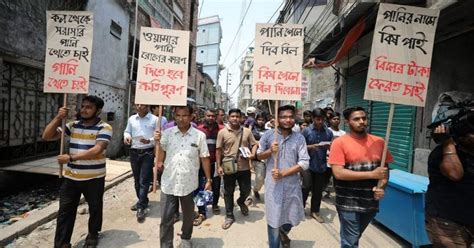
[{"x": 465, "y": 125}]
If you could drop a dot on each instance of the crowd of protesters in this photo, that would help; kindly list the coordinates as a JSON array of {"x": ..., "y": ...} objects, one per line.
[{"x": 200, "y": 160}]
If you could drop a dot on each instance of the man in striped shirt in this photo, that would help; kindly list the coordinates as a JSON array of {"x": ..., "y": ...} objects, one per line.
[{"x": 84, "y": 170}]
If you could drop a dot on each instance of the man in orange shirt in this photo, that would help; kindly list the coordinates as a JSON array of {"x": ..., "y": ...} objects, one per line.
[{"x": 356, "y": 164}]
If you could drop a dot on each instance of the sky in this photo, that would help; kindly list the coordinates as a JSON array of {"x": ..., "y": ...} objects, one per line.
[{"x": 230, "y": 13}]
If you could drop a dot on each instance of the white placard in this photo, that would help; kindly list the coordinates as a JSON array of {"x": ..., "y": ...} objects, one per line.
[
  {"x": 68, "y": 51},
  {"x": 162, "y": 67},
  {"x": 278, "y": 61},
  {"x": 400, "y": 60}
]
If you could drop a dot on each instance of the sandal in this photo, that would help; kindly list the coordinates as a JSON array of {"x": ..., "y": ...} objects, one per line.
[
  {"x": 244, "y": 209},
  {"x": 199, "y": 219},
  {"x": 216, "y": 210},
  {"x": 227, "y": 223}
]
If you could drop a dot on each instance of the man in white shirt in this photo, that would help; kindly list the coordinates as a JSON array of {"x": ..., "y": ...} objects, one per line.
[
  {"x": 334, "y": 121},
  {"x": 139, "y": 134},
  {"x": 182, "y": 148}
]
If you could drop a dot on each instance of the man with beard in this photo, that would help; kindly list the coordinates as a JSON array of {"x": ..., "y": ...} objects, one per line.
[
  {"x": 139, "y": 134},
  {"x": 84, "y": 172},
  {"x": 355, "y": 160},
  {"x": 283, "y": 198},
  {"x": 182, "y": 148},
  {"x": 229, "y": 140},
  {"x": 211, "y": 129}
]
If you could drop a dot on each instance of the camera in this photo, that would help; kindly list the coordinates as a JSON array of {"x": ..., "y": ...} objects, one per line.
[{"x": 458, "y": 125}]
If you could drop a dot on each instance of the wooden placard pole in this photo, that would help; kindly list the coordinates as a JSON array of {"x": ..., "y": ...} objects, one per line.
[
  {"x": 275, "y": 155},
  {"x": 387, "y": 138},
  {"x": 63, "y": 130},
  {"x": 157, "y": 148},
  {"x": 269, "y": 107}
]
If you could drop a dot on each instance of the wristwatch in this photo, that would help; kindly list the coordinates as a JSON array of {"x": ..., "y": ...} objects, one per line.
[
  {"x": 70, "y": 158},
  {"x": 209, "y": 180}
]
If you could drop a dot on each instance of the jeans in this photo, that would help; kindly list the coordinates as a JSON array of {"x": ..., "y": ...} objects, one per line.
[
  {"x": 243, "y": 179},
  {"x": 69, "y": 197},
  {"x": 274, "y": 234},
  {"x": 168, "y": 209},
  {"x": 314, "y": 182},
  {"x": 260, "y": 171},
  {"x": 142, "y": 169},
  {"x": 353, "y": 225}
]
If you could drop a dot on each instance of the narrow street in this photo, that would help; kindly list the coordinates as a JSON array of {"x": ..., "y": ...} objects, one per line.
[{"x": 120, "y": 228}]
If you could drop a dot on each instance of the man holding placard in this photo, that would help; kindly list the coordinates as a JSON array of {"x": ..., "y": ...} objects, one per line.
[
  {"x": 283, "y": 195},
  {"x": 183, "y": 147},
  {"x": 85, "y": 169},
  {"x": 355, "y": 160}
]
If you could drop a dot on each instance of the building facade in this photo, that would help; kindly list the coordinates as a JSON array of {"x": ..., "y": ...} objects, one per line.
[
  {"x": 209, "y": 36},
  {"x": 168, "y": 14},
  {"x": 25, "y": 109},
  {"x": 246, "y": 75},
  {"x": 316, "y": 17},
  {"x": 206, "y": 92},
  {"x": 351, "y": 23}
]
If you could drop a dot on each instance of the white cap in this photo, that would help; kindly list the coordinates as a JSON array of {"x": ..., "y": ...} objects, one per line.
[{"x": 251, "y": 110}]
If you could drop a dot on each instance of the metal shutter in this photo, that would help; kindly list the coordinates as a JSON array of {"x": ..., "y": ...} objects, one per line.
[{"x": 402, "y": 134}]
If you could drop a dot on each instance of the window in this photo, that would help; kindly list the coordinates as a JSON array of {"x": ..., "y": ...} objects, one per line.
[
  {"x": 202, "y": 51},
  {"x": 190, "y": 54},
  {"x": 247, "y": 77},
  {"x": 115, "y": 29}
]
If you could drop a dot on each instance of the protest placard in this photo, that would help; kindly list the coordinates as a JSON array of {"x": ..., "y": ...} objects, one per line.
[
  {"x": 68, "y": 51},
  {"x": 400, "y": 60},
  {"x": 277, "y": 61},
  {"x": 277, "y": 64},
  {"x": 162, "y": 67}
]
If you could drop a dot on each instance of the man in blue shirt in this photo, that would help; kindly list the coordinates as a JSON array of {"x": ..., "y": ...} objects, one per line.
[{"x": 318, "y": 138}]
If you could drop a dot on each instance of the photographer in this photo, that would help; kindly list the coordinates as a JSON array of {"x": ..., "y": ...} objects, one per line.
[{"x": 450, "y": 197}]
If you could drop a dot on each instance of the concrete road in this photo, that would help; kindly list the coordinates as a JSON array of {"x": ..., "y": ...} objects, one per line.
[{"x": 120, "y": 228}]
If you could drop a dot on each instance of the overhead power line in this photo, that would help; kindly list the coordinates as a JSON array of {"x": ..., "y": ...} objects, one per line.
[
  {"x": 251, "y": 67},
  {"x": 245, "y": 49},
  {"x": 200, "y": 9},
  {"x": 238, "y": 30}
]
